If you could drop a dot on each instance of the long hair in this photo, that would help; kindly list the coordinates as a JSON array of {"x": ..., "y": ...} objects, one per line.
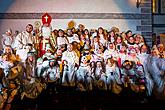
[
  {"x": 105, "y": 36},
  {"x": 93, "y": 66},
  {"x": 102, "y": 65},
  {"x": 148, "y": 52},
  {"x": 109, "y": 36}
]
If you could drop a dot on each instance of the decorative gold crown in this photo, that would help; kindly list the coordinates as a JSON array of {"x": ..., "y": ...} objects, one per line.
[{"x": 71, "y": 24}]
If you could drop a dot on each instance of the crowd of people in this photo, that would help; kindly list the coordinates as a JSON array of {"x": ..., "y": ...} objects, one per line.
[{"x": 78, "y": 57}]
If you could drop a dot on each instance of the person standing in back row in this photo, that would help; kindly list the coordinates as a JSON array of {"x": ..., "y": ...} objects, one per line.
[{"x": 24, "y": 42}]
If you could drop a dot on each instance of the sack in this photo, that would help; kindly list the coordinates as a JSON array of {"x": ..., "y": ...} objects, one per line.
[
  {"x": 134, "y": 87},
  {"x": 116, "y": 88}
]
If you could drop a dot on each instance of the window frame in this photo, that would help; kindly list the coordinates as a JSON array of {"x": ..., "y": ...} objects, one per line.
[{"x": 158, "y": 8}]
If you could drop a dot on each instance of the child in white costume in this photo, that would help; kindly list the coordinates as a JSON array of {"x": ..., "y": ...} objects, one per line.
[
  {"x": 112, "y": 73},
  {"x": 128, "y": 74},
  {"x": 52, "y": 72},
  {"x": 155, "y": 67},
  {"x": 39, "y": 67},
  {"x": 30, "y": 67},
  {"x": 70, "y": 61},
  {"x": 143, "y": 56},
  {"x": 62, "y": 40},
  {"x": 121, "y": 56},
  {"x": 7, "y": 38},
  {"x": 100, "y": 76},
  {"x": 5, "y": 64},
  {"x": 132, "y": 56},
  {"x": 110, "y": 51},
  {"x": 43, "y": 62},
  {"x": 84, "y": 74},
  {"x": 7, "y": 59}
]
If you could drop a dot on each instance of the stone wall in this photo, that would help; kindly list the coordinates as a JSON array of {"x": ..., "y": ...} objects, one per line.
[{"x": 146, "y": 24}]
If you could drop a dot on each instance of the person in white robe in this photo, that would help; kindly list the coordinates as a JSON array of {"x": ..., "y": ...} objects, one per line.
[
  {"x": 100, "y": 76},
  {"x": 83, "y": 75},
  {"x": 143, "y": 56},
  {"x": 7, "y": 38},
  {"x": 112, "y": 73},
  {"x": 110, "y": 51},
  {"x": 70, "y": 61},
  {"x": 52, "y": 72},
  {"x": 24, "y": 42}
]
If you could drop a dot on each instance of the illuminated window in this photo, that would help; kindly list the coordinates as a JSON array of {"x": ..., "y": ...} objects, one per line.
[
  {"x": 155, "y": 6},
  {"x": 158, "y": 6}
]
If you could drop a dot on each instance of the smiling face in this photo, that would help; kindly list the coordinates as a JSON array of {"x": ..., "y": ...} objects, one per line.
[
  {"x": 29, "y": 28},
  {"x": 99, "y": 50},
  {"x": 129, "y": 34},
  {"x": 98, "y": 64},
  {"x": 51, "y": 63},
  {"x": 137, "y": 38},
  {"x": 133, "y": 53},
  {"x": 30, "y": 58},
  {"x": 118, "y": 40},
  {"x": 84, "y": 60},
  {"x": 161, "y": 48},
  {"x": 112, "y": 33},
  {"x": 69, "y": 32},
  {"x": 8, "y": 50},
  {"x": 61, "y": 33},
  {"x": 123, "y": 49},
  {"x": 92, "y": 64},
  {"x": 111, "y": 46},
  {"x": 9, "y": 33},
  {"x": 5, "y": 58},
  {"x": 81, "y": 27},
  {"x": 127, "y": 65},
  {"x": 131, "y": 40},
  {"x": 86, "y": 32},
  {"x": 154, "y": 53},
  {"x": 70, "y": 47},
  {"x": 96, "y": 39},
  {"x": 59, "y": 52},
  {"x": 100, "y": 30},
  {"x": 110, "y": 62},
  {"x": 144, "y": 49}
]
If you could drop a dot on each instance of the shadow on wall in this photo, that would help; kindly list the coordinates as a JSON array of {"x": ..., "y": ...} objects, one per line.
[
  {"x": 128, "y": 5},
  {"x": 5, "y": 4}
]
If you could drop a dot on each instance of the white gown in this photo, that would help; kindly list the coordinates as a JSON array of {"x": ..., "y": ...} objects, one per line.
[
  {"x": 69, "y": 69},
  {"x": 21, "y": 44}
]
